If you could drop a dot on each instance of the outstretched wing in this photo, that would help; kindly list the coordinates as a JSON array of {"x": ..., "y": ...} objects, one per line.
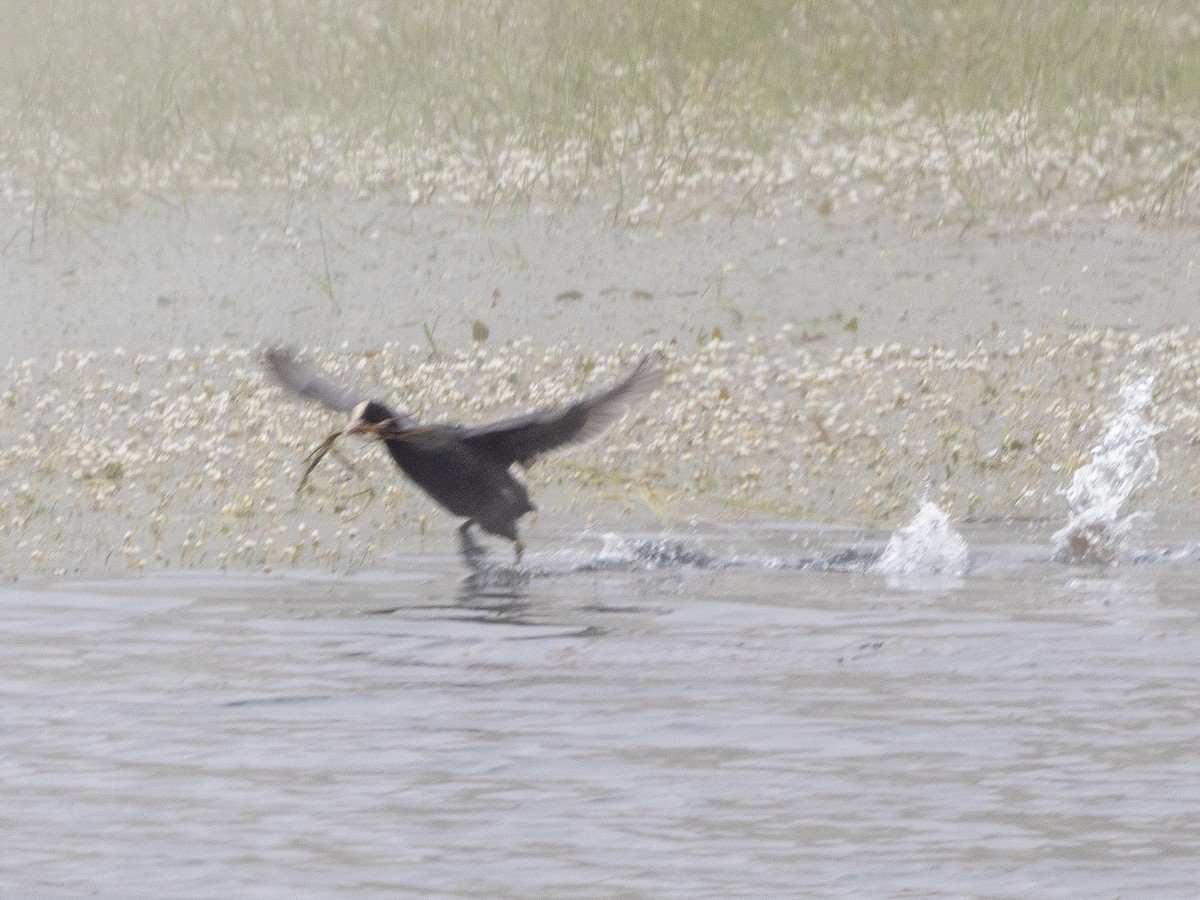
[
  {"x": 524, "y": 438},
  {"x": 301, "y": 378}
]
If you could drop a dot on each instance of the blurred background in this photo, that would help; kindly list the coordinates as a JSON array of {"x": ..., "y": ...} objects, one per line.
[{"x": 526, "y": 100}]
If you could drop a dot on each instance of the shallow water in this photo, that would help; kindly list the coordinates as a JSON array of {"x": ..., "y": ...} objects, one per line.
[{"x": 743, "y": 713}]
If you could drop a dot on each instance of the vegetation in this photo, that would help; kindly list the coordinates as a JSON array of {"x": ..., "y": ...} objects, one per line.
[{"x": 297, "y": 92}]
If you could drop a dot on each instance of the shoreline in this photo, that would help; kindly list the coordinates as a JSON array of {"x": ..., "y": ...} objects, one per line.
[{"x": 124, "y": 461}]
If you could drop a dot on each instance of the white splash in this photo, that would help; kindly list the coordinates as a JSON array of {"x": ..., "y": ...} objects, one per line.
[
  {"x": 657, "y": 553},
  {"x": 928, "y": 545},
  {"x": 1123, "y": 462}
]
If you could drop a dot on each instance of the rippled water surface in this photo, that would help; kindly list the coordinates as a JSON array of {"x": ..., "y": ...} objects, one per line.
[{"x": 634, "y": 719}]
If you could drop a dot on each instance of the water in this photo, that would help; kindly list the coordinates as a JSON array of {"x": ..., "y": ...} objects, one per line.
[
  {"x": 928, "y": 545},
  {"x": 741, "y": 713},
  {"x": 1099, "y": 525}
]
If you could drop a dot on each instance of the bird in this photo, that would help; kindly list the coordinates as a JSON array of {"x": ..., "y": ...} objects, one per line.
[{"x": 468, "y": 470}]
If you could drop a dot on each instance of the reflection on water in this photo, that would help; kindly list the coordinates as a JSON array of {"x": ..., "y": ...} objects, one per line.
[{"x": 773, "y": 725}]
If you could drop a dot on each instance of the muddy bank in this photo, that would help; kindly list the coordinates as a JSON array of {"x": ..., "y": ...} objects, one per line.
[
  {"x": 826, "y": 368},
  {"x": 129, "y": 460},
  {"x": 229, "y": 270}
]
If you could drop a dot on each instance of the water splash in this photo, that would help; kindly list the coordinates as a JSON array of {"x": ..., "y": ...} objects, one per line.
[
  {"x": 1123, "y": 462},
  {"x": 623, "y": 553},
  {"x": 928, "y": 545}
]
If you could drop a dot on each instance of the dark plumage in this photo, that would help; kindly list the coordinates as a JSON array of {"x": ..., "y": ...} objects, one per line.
[{"x": 467, "y": 470}]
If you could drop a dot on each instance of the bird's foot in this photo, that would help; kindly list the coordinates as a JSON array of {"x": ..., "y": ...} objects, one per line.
[
  {"x": 473, "y": 553},
  {"x": 518, "y": 552}
]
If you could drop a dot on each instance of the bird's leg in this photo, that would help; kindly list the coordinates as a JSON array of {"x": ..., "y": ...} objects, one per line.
[
  {"x": 518, "y": 551},
  {"x": 472, "y": 552}
]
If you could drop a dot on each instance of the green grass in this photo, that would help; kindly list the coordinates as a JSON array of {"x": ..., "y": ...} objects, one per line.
[{"x": 92, "y": 91}]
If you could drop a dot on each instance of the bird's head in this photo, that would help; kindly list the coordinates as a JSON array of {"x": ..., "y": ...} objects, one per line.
[{"x": 368, "y": 417}]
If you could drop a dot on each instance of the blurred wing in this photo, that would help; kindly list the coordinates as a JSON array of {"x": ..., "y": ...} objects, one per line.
[
  {"x": 301, "y": 378},
  {"x": 524, "y": 438}
]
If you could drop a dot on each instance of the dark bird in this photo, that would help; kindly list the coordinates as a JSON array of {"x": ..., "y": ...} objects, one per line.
[{"x": 467, "y": 470}]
